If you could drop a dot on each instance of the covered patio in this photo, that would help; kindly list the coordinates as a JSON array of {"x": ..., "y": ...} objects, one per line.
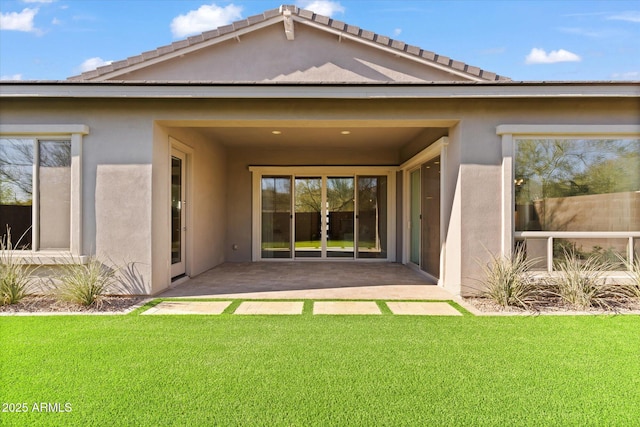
[{"x": 309, "y": 280}]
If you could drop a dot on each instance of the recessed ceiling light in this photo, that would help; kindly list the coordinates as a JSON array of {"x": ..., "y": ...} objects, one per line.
[
  {"x": 346, "y": 132},
  {"x": 276, "y": 132}
]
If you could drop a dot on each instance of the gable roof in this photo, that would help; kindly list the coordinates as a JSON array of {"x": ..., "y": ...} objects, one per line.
[{"x": 288, "y": 15}]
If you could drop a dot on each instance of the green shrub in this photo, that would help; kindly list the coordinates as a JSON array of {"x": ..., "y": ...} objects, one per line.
[
  {"x": 582, "y": 283},
  {"x": 509, "y": 282},
  {"x": 16, "y": 278},
  {"x": 84, "y": 284}
]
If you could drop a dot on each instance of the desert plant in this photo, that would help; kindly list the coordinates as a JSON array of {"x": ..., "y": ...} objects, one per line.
[
  {"x": 16, "y": 277},
  {"x": 84, "y": 283},
  {"x": 582, "y": 283},
  {"x": 509, "y": 282},
  {"x": 633, "y": 271}
]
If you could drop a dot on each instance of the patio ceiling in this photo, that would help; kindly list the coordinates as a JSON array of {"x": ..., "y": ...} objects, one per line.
[{"x": 301, "y": 137}]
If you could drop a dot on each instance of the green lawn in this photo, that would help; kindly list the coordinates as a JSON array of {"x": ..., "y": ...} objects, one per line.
[{"x": 322, "y": 370}]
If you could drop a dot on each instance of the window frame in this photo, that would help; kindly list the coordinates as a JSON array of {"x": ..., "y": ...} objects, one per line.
[
  {"x": 60, "y": 132},
  {"x": 510, "y": 135}
]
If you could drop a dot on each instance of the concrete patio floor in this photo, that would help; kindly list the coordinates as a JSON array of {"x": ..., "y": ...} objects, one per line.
[{"x": 309, "y": 280}]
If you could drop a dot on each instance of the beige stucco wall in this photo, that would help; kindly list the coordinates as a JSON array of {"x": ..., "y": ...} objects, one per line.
[
  {"x": 116, "y": 215},
  {"x": 205, "y": 202},
  {"x": 125, "y": 167},
  {"x": 239, "y": 182},
  {"x": 314, "y": 55}
]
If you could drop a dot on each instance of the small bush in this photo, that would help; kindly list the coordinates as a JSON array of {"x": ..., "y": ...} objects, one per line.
[
  {"x": 16, "y": 278},
  {"x": 508, "y": 281},
  {"x": 84, "y": 284},
  {"x": 582, "y": 283}
]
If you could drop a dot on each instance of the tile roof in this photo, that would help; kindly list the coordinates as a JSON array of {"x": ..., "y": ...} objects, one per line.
[{"x": 368, "y": 37}]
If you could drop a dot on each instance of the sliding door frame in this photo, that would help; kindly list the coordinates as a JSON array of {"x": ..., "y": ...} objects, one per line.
[
  {"x": 437, "y": 149},
  {"x": 324, "y": 172}
]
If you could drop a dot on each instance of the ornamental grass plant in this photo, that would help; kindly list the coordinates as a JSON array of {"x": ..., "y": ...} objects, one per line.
[
  {"x": 633, "y": 271},
  {"x": 582, "y": 283},
  {"x": 84, "y": 283},
  {"x": 16, "y": 277},
  {"x": 509, "y": 282}
]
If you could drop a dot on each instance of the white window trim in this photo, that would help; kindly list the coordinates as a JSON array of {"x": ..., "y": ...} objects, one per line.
[
  {"x": 438, "y": 148},
  {"x": 511, "y": 133},
  {"x": 258, "y": 172},
  {"x": 75, "y": 133}
]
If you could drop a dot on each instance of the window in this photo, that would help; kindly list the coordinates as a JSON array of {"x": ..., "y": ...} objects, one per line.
[
  {"x": 40, "y": 189},
  {"x": 569, "y": 193},
  {"x": 35, "y": 192},
  {"x": 578, "y": 185}
]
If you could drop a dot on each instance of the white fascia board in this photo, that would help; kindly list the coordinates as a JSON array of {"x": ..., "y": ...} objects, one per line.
[
  {"x": 186, "y": 50},
  {"x": 348, "y": 36},
  {"x": 568, "y": 130},
  {"x": 48, "y": 130},
  {"x": 254, "y": 90}
]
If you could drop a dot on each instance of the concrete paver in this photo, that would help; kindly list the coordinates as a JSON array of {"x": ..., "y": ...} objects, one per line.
[
  {"x": 346, "y": 307},
  {"x": 423, "y": 308},
  {"x": 189, "y": 307},
  {"x": 270, "y": 307},
  {"x": 296, "y": 307}
]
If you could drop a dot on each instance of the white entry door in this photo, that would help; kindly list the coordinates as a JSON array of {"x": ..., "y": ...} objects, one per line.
[{"x": 178, "y": 214}]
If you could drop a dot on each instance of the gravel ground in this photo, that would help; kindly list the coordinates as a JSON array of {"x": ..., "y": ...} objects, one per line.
[
  {"x": 553, "y": 306},
  {"x": 38, "y": 304}
]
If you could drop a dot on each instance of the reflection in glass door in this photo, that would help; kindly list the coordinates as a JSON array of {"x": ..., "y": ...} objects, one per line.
[
  {"x": 372, "y": 216},
  {"x": 430, "y": 259},
  {"x": 424, "y": 207},
  {"x": 177, "y": 214},
  {"x": 308, "y": 217},
  {"x": 415, "y": 218},
  {"x": 276, "y": 217},
  {"x": 340, "y": 217}
]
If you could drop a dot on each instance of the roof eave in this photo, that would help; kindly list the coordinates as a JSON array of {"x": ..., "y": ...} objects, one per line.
[{"x": 255, "y": 90}]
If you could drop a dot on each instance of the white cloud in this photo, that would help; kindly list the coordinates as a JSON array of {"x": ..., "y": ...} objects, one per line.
[
  {"x": 38, "y": 1},
  {"x": 321, "y": 7},
  {"x": 630, "y": 16},
  {"x": 56, "y": 21},
  {"x": 630, "y": 75},
  {"x": 18, "y": 21},
  {"x": 93, "y": 63},
  {"x": 12, "y": 77},
  {"x": 539, "y": 56},
  {"x": 397, "y": 32},
  {"x": 207, "y": 17}
]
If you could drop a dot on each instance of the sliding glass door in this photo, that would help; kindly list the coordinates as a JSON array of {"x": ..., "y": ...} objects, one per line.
[
  {"x": 372, "y": 216},
  {"x": 308, "y": 218},
  {"x": 424, "y": 217},
  {"x": 340, "y": 217},
  {"x": 323, "y": 216},
  {"x": 276, "y": 217}
]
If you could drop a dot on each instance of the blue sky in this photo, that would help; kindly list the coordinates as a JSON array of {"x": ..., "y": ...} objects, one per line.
[{"x": 525, "y": 40}]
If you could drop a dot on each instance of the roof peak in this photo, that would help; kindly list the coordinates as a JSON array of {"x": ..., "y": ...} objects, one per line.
[{"x": 300, "y": 15}]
